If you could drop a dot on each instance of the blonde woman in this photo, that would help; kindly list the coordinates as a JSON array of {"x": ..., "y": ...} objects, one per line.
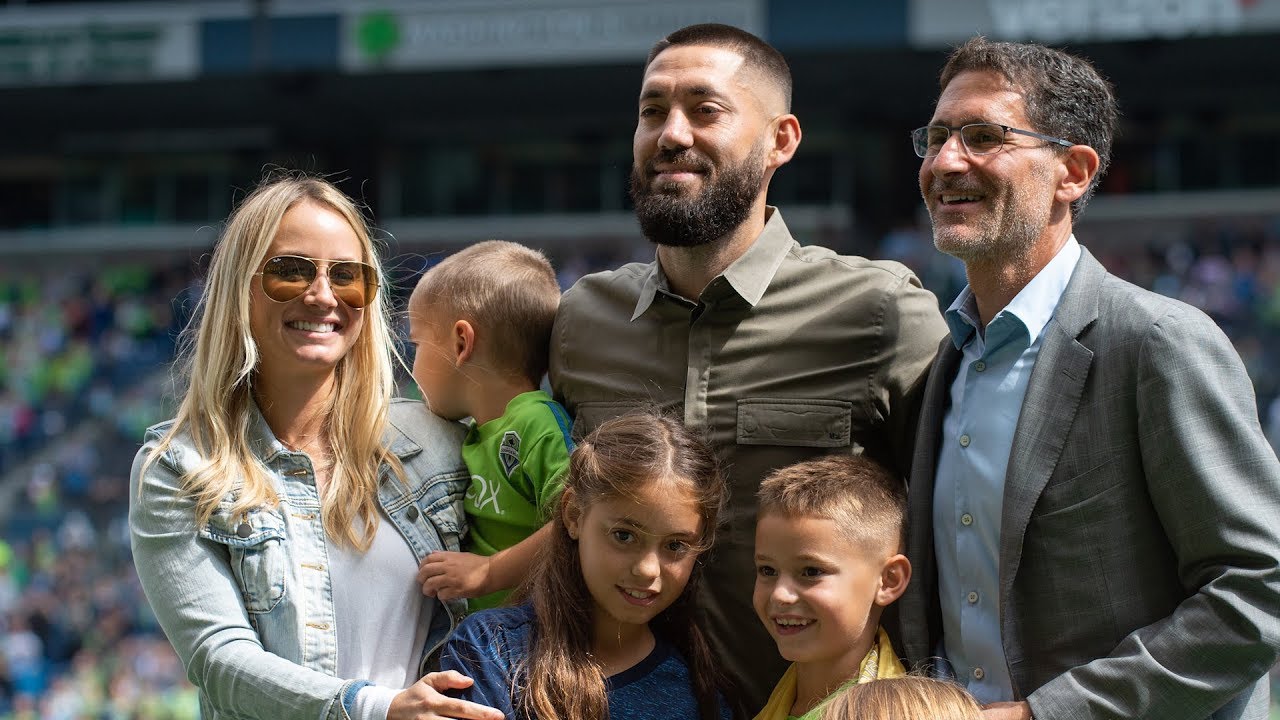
[
  {"x": 903, "y": 698},
  {"x": 278, "y": 521}
]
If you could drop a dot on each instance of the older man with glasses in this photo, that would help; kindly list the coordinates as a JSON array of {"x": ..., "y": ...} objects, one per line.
[{"x": 1093, "y": 506}]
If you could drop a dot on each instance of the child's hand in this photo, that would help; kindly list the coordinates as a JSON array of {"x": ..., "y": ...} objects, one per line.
[{"x": 452, "y": 575}]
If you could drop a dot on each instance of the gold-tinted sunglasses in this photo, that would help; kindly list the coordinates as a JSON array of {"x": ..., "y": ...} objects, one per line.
[{"x": 287, "y": 277}]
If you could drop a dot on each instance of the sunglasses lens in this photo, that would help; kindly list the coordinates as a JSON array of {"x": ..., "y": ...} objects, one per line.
[
  {"x": 286, "y": 277},
  {"x": 351, "y": 281}
]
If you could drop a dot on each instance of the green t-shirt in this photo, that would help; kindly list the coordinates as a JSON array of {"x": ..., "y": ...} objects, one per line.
[{"x": 516, "y": 463}]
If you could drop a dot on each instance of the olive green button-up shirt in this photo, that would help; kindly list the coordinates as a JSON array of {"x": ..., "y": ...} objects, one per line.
[{"x": 792, "y": 352}]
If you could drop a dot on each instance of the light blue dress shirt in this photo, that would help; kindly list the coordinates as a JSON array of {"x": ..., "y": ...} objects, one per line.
[{"x": 977, "y": 435}]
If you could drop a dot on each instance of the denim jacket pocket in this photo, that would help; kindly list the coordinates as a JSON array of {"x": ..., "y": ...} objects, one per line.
[
  {"x": 443, "y": 501},
  {"x": 255, "y": 542}
]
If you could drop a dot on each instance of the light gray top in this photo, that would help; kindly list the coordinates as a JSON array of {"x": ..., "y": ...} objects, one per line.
[{"x": 381, "y": 617}]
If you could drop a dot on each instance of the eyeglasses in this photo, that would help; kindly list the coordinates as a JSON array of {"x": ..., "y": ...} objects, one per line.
[
  {"x": 287, "y": 277},
  {"x": 978, "y": 138}
]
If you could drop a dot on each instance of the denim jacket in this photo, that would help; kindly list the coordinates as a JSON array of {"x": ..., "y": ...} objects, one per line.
[{"x": 247, "y": 601}]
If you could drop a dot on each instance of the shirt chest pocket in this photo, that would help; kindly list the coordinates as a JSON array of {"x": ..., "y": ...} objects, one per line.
[
  {"x": 796, "y": 422},
  {"x": 255, "y": 544}
]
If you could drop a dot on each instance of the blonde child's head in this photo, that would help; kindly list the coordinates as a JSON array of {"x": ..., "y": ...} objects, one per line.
[
  {"x": 483, "y": 312},
  {"x": 829, "y": 541},
  {"x": 855, "y": 492},
  {"x": 641, "y": 502},
  {"x": 904, "y": 698}
]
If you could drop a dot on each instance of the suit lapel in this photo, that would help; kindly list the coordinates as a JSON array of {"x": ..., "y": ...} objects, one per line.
[
  {"x": 937, "y": 396},
  {"x": 1048, "y": 411},
  {"x": 920, "y": 604}
]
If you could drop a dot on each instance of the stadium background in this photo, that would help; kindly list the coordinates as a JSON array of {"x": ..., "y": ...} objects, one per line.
[{"x": 129, "y": 129}]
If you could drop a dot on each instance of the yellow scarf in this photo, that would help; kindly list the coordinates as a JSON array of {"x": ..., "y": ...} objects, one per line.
[{"x": 879, "y": 662}]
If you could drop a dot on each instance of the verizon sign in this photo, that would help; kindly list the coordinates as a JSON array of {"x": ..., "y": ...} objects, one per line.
[{"x": 935, "y": 23}]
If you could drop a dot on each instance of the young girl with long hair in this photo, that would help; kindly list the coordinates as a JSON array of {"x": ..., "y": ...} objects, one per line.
[{"x": 606, "y": 627}]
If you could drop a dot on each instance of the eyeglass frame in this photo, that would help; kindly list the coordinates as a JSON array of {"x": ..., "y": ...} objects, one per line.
[
  {"x": 960, "y": 131},
  {"x": 371, "y": 284}
]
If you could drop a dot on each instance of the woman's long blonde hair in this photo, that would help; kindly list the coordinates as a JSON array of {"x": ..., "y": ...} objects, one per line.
[{"x": 219, "y": 364}]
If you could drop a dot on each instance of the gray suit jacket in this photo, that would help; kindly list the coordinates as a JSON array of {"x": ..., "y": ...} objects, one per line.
[{"x": 1140, "y": 536}]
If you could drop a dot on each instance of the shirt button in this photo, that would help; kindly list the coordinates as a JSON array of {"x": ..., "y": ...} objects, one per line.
[
  {"x": 243, "y": 530},
  {"x": 412, "y": 514},
  {"x": 979, "y": 673},
  {"x": 966, "y": 519},
  {"x": 964, "y": 441},
  {"x": 973, "y": 597},
  {"x": 979, "y": 366}
]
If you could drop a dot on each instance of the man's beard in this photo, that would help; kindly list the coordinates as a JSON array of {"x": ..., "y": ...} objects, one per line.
[{"x": 670, "y": 218}]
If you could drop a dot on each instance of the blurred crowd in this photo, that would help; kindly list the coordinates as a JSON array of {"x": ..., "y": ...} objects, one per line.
[
  {"x": 69, "y": 341},
  {"x": 84, "y": 361},
  {"x": 80, "y": 352}
]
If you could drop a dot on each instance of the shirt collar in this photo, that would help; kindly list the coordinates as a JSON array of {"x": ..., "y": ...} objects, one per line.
[
  {"x": 749, "y": 276},
  {"x": 962, "y": 317},
  {"x": 1032, "y": 307}
]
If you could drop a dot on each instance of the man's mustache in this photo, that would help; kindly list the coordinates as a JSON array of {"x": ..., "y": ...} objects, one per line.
[{"x": 685, "y": 159}]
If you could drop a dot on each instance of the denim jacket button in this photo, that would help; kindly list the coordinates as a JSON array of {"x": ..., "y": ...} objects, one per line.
[
  {"x": 412, "y": 514},
  {"x": 243, "y": 530}
]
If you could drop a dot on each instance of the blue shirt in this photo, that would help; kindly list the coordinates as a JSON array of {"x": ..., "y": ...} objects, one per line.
[
  {"x": 968, "y": 495},
  {"x": 489, "y": 647}
]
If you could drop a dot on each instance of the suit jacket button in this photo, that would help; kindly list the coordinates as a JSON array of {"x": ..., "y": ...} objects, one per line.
[{"x": 412, "y": 514}]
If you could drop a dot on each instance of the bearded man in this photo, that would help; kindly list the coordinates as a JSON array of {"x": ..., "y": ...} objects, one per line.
[{"x": 777, "y": 352}]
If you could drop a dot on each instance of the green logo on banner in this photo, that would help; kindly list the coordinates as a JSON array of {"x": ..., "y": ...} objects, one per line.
[{"x": 377, "y": 34}]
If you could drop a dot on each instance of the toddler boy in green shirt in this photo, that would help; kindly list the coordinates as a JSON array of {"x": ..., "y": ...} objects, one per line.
[{"x": 481, "y": 322}]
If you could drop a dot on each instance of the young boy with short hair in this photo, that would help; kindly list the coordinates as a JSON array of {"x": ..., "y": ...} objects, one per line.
[
  {"x": 481, "y": 322},
  {"x": 829, "y": 542}
]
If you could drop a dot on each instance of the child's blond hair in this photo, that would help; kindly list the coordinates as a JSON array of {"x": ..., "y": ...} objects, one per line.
[
  {"x": 508, "y": 292},
  {"x": 902, "y": 698},
  {"x": 859, "y": 495}
]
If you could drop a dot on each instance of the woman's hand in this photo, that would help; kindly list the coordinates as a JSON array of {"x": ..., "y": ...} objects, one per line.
[
  {"x": 424, "y": 700},
  {"x": 452, "y": 575}
]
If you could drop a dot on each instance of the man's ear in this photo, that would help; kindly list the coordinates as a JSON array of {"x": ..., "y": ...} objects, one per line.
[
  {"x": 1079, "y": 166},
  {"x": 786, "y": 139},
  {"x": 464, "y": 342},
  {"x": 570, "y": 513},
  {"x": 894, "y": 576}
]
